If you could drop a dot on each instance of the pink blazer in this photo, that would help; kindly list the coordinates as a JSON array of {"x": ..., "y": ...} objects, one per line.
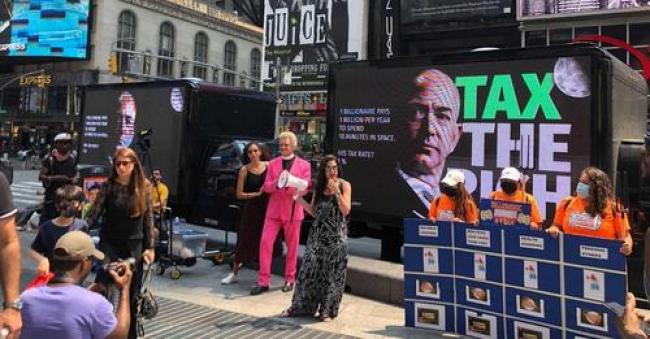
[{"x": 281, "y": 201}]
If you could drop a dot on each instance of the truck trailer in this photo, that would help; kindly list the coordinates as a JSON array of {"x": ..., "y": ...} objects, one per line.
[{"x": 398, "y": 125}]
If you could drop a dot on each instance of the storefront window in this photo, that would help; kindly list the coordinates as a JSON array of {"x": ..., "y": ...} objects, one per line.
[
  {"x": 535, "y": 38},
  {"x": 560, "y": 36},
  {"x": 33, "y": 100},
  {"x": 619, "y": 32},
  {"x": 640, "y": 34},
  {"x": 57, "y": 98}
]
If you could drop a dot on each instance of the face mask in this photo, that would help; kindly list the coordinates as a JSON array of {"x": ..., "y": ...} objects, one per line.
[
  {"x": 509, "y": 187},
  {"x": 448, "y": 190},
  {"x": 68, "y": 209},
  {"x": 583, "y": 190}
]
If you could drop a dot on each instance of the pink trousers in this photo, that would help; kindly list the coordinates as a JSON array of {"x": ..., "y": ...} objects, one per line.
[{"x": 291, "y": 237}]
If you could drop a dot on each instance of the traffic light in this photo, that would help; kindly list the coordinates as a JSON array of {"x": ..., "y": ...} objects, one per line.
[{"x": 112, "y": 63}]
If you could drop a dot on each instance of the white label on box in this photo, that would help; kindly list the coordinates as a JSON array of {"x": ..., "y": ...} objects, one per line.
[
  {"x": 593, "y": 252},
  {"x": 480, "y": 266},
  {"x": 428, "y": 231},
  {"x": 476, "y": 237},
  {"x": 525, "y": 330},
  {"x": 531, "y": 275},
  {"x": 594, "y": 285},
  {"x": 533, "y": 243},
  {"x": 430, "y": 260}
]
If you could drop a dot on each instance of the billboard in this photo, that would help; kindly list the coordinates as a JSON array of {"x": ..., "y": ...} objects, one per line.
[
  {"x": 44, "y": 28},
  {"x": 449, "y": 10},
  {"x": 116, "y": 117},
  {"x": 305, "y": 36},
  {"x": 535, "y": 9},
  {"x": 399, "y": 128}
]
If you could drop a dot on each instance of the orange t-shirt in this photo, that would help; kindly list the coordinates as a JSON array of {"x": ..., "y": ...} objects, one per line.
[
  {"x": 521, "y": 197},
  {"x": 442, "y": 208},
  {"x": 571, "y": 217}
]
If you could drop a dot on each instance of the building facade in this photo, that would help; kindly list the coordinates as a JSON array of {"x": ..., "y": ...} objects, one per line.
[{"x": 130, "y": 40}]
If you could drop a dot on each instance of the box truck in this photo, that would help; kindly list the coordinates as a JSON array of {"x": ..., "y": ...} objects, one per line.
[
  {"x": 194, "y": 132},
  {"x": 398, "y": 125}
]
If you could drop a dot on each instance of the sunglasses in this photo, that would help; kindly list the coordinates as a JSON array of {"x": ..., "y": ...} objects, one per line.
[{"x": 123, "y": 163}]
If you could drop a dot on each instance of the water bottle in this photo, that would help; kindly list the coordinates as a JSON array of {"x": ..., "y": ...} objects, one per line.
[{"x": 176, "y": 224}]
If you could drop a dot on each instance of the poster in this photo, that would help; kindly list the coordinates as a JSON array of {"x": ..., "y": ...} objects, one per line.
[
  {"x": 308, "y": 35},
  {"x": 446, "y": 10},
  {"x": 529, "y": 9},
  {"x": 405, "y": 126},
  {"x": 44, "y": 28}
]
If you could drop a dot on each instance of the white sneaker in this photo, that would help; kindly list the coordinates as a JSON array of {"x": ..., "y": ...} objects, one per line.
[{"x": 231, "y": 278}]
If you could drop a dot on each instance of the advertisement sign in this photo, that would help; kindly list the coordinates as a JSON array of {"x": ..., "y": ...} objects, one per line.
[
  {"x": 44, "y": 28},
  {"x": 305, "y": 36},
  {"x": 448, "y": 10},
  {"x": 121, "y": 117},
  {"x": 389, "y": 32},
  {"x": 399, "y": 129},
  {"x": 511, "y": 290},
  {"x": 536, "y": 9}
]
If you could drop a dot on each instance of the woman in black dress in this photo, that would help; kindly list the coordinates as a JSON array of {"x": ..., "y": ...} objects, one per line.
[
  {"x": 249, "y": 190},
  {"x": 127, "y": 230},
  {"x": 321, "y": 280}
]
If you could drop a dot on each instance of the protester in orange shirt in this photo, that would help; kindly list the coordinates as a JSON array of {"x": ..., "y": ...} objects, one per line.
[
  {"x": 512, "y": 190},
  {"x": 455, "y": 204},
  {"x": 593, "y": 212}
]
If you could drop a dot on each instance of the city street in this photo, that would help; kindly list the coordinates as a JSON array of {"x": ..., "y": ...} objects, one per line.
[{"x": 198, "y": 306}]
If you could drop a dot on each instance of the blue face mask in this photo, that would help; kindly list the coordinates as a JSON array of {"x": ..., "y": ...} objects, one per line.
[{"x": 583, "y": 190}]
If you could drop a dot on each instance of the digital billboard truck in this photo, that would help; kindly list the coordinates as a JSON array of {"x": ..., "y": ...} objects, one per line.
[
  {"x": 398, "y": 125},
  {"x": 194, "y": 132}
]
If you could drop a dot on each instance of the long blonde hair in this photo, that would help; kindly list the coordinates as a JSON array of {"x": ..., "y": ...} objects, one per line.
[{"x": 138, "y": 184}]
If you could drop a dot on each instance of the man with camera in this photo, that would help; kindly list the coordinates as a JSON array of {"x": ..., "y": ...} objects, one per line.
[{"x": 63, "y": 309}]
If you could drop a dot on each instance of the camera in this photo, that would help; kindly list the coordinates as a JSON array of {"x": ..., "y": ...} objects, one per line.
[{"x": 118, "y": 266}]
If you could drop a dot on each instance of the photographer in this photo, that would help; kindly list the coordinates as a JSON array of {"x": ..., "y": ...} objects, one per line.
[
  {"x": 63, "y": 309},
  {"x": 58, "y": 170}
]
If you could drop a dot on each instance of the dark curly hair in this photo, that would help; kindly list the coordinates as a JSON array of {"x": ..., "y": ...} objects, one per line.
[
  {"x": 461, "y": 201},
  {"x": 321, "y": 179},
  {"x": 600, "y": 190}
]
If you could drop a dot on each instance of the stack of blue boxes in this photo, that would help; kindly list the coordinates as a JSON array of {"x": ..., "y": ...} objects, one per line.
[{"x": 494, "y": 281}]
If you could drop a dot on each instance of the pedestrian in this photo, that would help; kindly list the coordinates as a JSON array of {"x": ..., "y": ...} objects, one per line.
[
  {"x": 9, "y": 262},
  {"x": 512, "y": 190},
  {"x": 159, "y": 192},
  {"x": 69, "y": 201},
  {"x": 59, "y": 169},
  {"x": 93, "y": 191},
  {"x": 63, "y": 309},
  {"x": 125, "y": 204},
  {"x": 454, "y": 203},
  {"x": 250, "y": 191},
  {"x": 321, "y": 280},
  {"x": 593, "y": 211},
  {"x": 282, "y": 213}
]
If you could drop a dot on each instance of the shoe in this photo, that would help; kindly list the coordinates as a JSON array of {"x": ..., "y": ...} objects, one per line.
[
  {"x": 259, "y": 290},
  {"x": 231, "y": 278},
  {"x": 288, "y": 287}
]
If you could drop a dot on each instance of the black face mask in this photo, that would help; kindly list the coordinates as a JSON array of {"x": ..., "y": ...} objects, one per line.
[
  {"x": 67, "y": 209},
  {"x": 448, "y": 190},
  {"x": 508, "y": 186}
]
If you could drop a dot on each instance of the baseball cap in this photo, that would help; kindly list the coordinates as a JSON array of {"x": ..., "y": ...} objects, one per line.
[
  {"x": 453, "y": 177},
  {"x": 63, "y": 137},
  {"x": 510, "y": 173},
  {"x": 76, "y": 245}
]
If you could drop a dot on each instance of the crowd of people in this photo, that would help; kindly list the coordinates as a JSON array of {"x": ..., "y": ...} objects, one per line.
[{"x": 123, "y": 209}]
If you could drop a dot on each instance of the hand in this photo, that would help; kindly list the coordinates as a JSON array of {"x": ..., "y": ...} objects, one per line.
[
  {"x": 333, "y": 185},
  {"x": 149, "y": 256},
  {"x": 97, "y": 288},
  {"x": 11, "y": 320},
  {"x": 43, "y": 267},
  {"x": 554, "y": 231},
  {"x": 535, "y": 226},
  {"x": 629, "y": 325},
  {"x": 123, "y": 280},
  {"x": 626, "y": 248},
  {"x": 458, "y": 220}
]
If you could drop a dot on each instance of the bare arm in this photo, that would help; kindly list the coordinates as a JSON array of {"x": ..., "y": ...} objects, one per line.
[
  {"x": 123, "y": 313},
  {"x": 9, "y": 258},
  {"x": 309, "y": 207},
  {"x": 344, "y": 198}
]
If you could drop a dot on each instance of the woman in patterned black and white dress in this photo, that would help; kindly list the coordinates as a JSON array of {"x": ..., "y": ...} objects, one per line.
[{"x": 321, "y": 280}]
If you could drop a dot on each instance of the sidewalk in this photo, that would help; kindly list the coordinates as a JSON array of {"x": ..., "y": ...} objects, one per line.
[{"x": 358, "y": 317}]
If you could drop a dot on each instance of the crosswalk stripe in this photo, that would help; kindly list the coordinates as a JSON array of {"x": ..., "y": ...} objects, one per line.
[
  {"x": 23, "y": 189},
  {"x": 23, "y": 195},
  {"x": 31, "y": 202}
]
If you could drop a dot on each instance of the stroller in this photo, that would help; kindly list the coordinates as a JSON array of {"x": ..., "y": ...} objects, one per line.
[{"x": 177, "y": 246}]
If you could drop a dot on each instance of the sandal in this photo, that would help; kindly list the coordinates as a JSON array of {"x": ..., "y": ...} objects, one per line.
[{"x": 285, "y": 314}]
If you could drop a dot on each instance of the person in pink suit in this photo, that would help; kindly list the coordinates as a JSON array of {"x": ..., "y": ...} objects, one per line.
[{"x": 283, "y": 212}]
